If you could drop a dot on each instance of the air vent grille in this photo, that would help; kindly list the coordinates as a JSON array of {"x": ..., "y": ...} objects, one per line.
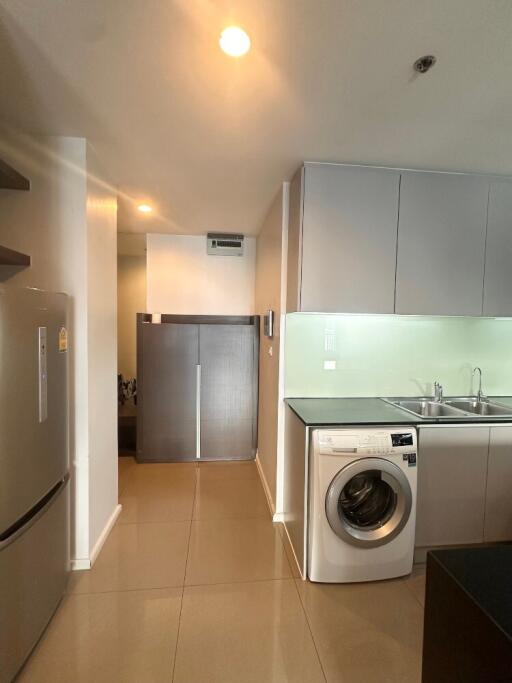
[{"x": 224, "y": 244}]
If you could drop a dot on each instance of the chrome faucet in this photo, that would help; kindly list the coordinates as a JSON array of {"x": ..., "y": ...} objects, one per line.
[
  {"x": 438, "y": 392},
  {"x": 480, "y": 395}
]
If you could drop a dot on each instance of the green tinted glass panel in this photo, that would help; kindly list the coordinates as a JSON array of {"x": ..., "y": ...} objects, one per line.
[{"x": 379, "y": 355}]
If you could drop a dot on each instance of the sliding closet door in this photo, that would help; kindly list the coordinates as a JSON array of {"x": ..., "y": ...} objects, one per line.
[
  {"x": 228, "y": 391},
  {"x": 168, "y": 411}
]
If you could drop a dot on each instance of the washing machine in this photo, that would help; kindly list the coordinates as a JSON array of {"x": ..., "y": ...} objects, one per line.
[{"x": 362, "y": 503}]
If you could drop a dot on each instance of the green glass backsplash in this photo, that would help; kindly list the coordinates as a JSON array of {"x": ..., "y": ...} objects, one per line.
[{"x": 379, "y": 355}]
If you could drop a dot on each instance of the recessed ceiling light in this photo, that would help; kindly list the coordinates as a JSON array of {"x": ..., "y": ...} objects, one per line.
[
  {"x": 144, "y": 208},
  {"x": 234, "y": 41}
]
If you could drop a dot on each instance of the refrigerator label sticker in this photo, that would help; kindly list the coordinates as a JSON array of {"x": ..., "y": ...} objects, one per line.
[{"x": 63, "y": 340}]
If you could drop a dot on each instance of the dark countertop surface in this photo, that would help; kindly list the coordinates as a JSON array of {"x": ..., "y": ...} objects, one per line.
[
  {"x": 333, "y": 411},
  {"x": 485, "y": 575},
  {"x": 371, "y": 411}
]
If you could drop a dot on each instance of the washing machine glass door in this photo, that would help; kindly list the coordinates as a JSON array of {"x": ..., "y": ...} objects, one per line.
[{"x": 368, "y": 502}]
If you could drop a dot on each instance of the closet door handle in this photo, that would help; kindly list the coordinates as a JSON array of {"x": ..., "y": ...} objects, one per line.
[{"x": 198, "y": 411}]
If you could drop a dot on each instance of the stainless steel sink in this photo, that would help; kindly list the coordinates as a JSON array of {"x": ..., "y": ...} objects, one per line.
[
  {"x": 425, "y": 407},
  {"x": 476, "y": 407},
  {"x": 463, "y": 407}
]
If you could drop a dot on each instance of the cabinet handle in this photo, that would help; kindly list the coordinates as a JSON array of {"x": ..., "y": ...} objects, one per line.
[{"x": 198, "y": 412}]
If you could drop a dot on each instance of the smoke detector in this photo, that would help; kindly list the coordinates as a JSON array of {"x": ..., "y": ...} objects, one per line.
[{"x": 424, "y": 64}]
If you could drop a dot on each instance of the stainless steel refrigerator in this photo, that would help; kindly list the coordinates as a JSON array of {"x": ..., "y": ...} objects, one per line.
[{"x": 34, "y": 468}]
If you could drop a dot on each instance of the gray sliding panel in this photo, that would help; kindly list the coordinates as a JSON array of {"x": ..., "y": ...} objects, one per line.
[
  {"x": 441, "y": 244},
  {"x": 228, "y": 426},
  {"x": 168, "y": 355}
]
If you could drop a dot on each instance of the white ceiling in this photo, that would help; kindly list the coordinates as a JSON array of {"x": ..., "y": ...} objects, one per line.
[{"x": 209, "y": 139}]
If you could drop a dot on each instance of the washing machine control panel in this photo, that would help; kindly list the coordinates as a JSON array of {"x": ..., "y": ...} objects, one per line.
[
  {"x": 389, "y": 441},
  {"x": 404, "y": 439}
]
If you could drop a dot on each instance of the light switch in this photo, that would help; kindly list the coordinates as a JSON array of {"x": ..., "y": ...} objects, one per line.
[{"x": 329, "y": 365}]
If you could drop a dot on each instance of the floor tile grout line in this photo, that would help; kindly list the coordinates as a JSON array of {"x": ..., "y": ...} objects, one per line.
[
  {"x": 406, "y": 581},
  {"x": 183, "y": 586},
  {"x": 186, "y": 520},
  {"x": 184, "y": 579},
  {"x": 284, "y": 540},
  {"x": 175, "y": 587},
  {"x": 411, "y": 592},
  {"x": 124, "y": 477},
  {"x": 191, "y": 519},
  {"x": 173, "y": 667},
  {"x": 310, "y": 628},
  {"x": 232, "y": 519},
  {"x": 238, "y": 582}
]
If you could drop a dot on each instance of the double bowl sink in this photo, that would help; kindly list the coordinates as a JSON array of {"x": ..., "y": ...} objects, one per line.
[{"x": 452, "y": 408}]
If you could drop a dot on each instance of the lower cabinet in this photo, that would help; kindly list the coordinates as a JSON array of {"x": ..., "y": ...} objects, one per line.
[
  {"x": 498, "y": 503},
  {"x": 452, "y": 472}
]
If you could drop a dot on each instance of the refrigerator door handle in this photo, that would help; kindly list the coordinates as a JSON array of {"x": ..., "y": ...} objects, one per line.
[
  {"x": 29, "y": 518},
  {"x": 198, "y": 411}
]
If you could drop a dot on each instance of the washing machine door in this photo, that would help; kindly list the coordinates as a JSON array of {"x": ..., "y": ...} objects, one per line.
[{"x": 368, "y": 502}]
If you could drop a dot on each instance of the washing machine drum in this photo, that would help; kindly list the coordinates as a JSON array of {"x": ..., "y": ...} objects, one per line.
[{"x": 368, "y": 502}]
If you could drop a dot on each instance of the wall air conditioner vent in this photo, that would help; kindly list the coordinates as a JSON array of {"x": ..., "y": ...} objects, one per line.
[{"x": 224, "y": 244}]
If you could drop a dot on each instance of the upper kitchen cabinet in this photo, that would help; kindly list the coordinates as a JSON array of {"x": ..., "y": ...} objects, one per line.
[
  {"x": 498, "y": 254},
  {"x": 342, "y": 239},
  {"x": 441, "y": 244}
]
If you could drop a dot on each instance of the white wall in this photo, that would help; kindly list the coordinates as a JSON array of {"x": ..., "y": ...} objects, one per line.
[
  {"x": 131, "y": 299},
  {"x": 51, "y": 223},
  {"x": 102, "y": 348},
  {"x": 271, "y": 294},
  {"x": 183, "y": 279}
]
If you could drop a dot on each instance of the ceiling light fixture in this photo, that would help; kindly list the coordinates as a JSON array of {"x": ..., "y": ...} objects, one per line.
[
  {"x": 234, "y": 41},
  {"x": 144, "y": 208}
]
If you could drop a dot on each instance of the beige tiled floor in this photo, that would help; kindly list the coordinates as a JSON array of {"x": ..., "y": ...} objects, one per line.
[{"x": 196, "y": 585}]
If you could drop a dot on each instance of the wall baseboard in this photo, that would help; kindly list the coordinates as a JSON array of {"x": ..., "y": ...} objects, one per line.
[
  {"x": 87, "y": 563},
  {"x": 266, "y": 488},
  {"x": 105, "y": 533},
  {"x": 80, "y": 563}
]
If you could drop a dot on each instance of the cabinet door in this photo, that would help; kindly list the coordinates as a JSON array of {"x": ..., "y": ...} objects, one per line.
[
  {"x": 167, "y": 413},
  {"x": 498, "y": 253},
  {"x": 498, "y": 503},
  {"x": 452, "y": 465},
  {"x": 349, "y": 228},
  {"x": 228, "y": 392},
  {"x": 294, "y": 261},
  {"x": 441, "y": 244}
]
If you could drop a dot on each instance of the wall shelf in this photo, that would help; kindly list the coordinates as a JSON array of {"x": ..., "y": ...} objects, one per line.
[
  {"x": 10, "y": 179},
  {"x": 9, "y": 257}
]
